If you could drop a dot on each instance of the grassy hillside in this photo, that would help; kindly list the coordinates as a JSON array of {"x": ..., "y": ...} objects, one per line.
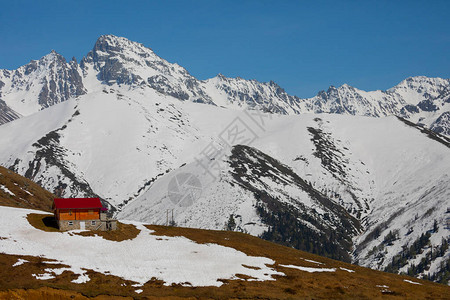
[
  {"x": 347, "y": 281},
  {"x": 18, "y": 191}
]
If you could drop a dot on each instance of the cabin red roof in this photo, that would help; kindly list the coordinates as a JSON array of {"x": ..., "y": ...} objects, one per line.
[{"x": 65, "y": 203}]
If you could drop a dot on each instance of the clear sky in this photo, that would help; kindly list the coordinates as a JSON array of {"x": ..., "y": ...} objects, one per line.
[{"x": 304, "y": 46}]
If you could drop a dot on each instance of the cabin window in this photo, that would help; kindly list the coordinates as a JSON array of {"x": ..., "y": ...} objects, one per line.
[
  {"x": 70, "y": 223},
  {"x": 93, "y": 223},
  {"x": 70, "y": 212}
]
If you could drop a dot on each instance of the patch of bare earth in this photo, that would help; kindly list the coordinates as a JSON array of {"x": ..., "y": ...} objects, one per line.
[{"x": 123, "y": 232}]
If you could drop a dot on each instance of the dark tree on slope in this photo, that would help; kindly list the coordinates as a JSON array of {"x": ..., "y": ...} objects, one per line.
[{"x": 231, "y": 224}]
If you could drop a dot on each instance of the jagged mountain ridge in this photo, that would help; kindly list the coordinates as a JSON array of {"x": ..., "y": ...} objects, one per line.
[
  {"x": 41, "y": 84},
  {"x": 116, "y": 60}
]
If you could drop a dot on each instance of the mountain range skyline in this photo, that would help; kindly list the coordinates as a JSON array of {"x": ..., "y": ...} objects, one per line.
[
  {"x": 304, "y": 47},
  {"x": 220, "y": 74},
  {"x": 118, "y": 60}
]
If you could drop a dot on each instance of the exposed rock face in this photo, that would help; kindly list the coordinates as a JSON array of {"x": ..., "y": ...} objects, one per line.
[
  {"x": 41, "y": 84},
  {"x": 442, "y": 124},
  {"x": 6, "y": 113},
  {"x": 266, "y": 96},
  {"x": 62, "y": 84}
]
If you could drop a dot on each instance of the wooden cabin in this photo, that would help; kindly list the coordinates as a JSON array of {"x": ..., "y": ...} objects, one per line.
[{"x": 81, "y": 213}]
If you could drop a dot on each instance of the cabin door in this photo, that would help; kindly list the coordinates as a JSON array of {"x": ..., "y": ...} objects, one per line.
[{"x": 82, "y": 225}]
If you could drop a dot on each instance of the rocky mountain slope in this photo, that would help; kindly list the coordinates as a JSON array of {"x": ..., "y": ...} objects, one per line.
[
  {"x": 152, "y": 141},
  {"x": 40, "y": 84}
]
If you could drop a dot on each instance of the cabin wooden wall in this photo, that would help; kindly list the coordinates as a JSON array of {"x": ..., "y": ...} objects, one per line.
[{"x": 78, "y": 214}]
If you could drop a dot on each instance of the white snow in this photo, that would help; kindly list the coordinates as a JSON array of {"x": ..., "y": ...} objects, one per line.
[
  {"x": 6, "y": 190},
  {"x": 83, "y": 278},
  {"x": 308, "y": 269},
  {"x": 20, "y": 262},
  {"x": 171, "y": 259},
  {"x": 348, "y": 270},
  {"x": 27, "y": 192},
  {"x": 313, "y": 261},
  {"x": 44, "y": 276},
  {"x": 412, "y": 282},
  {"x": 57, "y": 271}
]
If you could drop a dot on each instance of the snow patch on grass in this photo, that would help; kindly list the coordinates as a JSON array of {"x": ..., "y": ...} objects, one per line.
[
  {"x": 6, "y": 190},
  {"x": 412, "y": 282},
  {"x": 312, "y": 261},
  {"x": 310, "y": 270},
  {"x": 20, "y": 262},
  {"x": 83, "y": 278},
  {"x": 348, "y": 270},
  {"x": 45, "y": 276}
]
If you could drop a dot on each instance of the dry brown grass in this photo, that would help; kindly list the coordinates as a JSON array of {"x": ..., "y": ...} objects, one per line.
[
  {"x": 49, "y": 294},
  {"x": 43, "y": 222},
  {"x": 123, "y": 232},
  {"x": 298, "y": 284},
  {"x": 39, "y": 199}
]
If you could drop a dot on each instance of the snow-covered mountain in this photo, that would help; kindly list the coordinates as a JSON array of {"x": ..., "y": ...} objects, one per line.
[
  {"x": 117, "y": 60},
  {"x": 40, "y": 84},
  {"x": 335, "y": 174}
]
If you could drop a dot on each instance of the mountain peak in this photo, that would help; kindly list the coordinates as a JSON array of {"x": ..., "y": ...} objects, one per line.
[
  {"x": 414, "y": 80},
  {"x": 111, "y": 43},
  {"x": 220, "y": 76},
  {"x": 53, "y": 55}
]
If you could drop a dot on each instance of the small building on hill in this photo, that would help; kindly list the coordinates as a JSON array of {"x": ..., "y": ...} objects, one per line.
[{"x": 82, "y": 213}]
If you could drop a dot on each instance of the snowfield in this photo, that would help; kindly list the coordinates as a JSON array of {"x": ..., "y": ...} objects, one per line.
[{"x": 171, "y": 259}]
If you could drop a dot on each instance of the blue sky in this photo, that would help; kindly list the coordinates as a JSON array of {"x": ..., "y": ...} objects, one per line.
[{"x": 304, "y": 46}]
